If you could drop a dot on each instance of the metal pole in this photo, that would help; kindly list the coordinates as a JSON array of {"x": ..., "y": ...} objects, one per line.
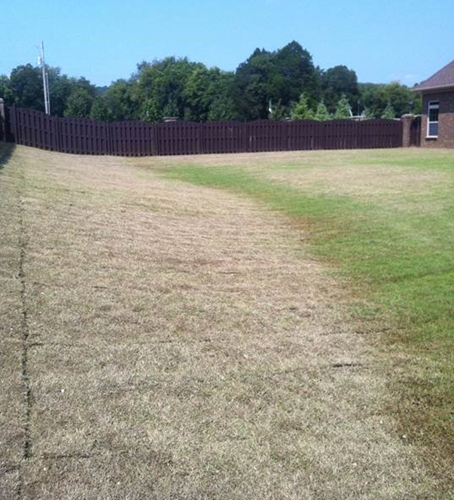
[
  {"x": 48, "y": 92},
  {"x": 45, "y": 81}
]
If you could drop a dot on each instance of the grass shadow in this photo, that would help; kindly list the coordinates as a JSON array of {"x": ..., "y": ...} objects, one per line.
[{"x": 6, "y": 151}]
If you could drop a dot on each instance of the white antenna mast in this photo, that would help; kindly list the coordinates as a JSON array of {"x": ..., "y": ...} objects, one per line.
[{"x": 45, "y": 81}]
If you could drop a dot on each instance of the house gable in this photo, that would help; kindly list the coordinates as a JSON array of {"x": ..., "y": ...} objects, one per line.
[{"x": 442, "y": 79}]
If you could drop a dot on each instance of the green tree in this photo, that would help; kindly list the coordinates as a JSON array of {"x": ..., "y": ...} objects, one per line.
[
  {"x": 149, "y": 111},
  {"x": 5, "y": 90},
  {"x": 337, "y": 82},
  {"x": 116, "y": 103},
  {"x": 163, "y": 83},
  {"x": 343, "y": 109},
  {"x": 99, "y": 110},
  {"x": 321, "y": 114},
  {"x": 279, "y": 111},
  {"x": 367, "y": 114},
  {"x": 377, "y": 96},
  {"x": 207, "y": 94},
  {"x": 222, "y": 104},
  {"x": 297, "y": 73},
  {"x": 198, "y": 94},
  {"x": 280, "y": 75},
  {"x": 367, "y": 95},
  {"x": 171, "y": 109},
  {"x": 252, "y": 85},
  {"x": 60, "y": 88},
  {"x": 222, "y": 109},
  {"x": 79, "y": 103},
  {"x": 26, "y": 87},
  {"x": 389, "y": 111},
  {"x": 301, "y": 110}
]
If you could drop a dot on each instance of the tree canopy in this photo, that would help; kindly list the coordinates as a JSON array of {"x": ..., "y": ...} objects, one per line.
[
  {"x": 287, "y": 78},
  {"x": 337, "y": 82},
  {"x": 280, "y": 76},
  {"x": 376, "y": 97}
]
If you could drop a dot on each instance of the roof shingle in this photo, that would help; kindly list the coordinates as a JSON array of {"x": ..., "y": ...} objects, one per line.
[{"x": 441, "y": 79}]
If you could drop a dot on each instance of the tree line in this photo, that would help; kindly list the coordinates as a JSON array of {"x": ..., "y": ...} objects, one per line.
[{"x": 278, "y": 84}]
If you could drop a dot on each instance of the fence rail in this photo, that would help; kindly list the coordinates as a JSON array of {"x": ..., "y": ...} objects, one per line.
[{"x": 135, "y": 138}]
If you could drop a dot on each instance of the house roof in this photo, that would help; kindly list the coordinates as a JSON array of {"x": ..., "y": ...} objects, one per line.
[{"x": 441, "y": 79}]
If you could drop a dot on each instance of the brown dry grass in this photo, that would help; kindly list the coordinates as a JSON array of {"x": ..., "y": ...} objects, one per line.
[{"x": 182, "y": 344}]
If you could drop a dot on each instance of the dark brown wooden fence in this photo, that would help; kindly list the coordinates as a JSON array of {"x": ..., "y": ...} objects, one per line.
[{"x": 134, "y": 138}]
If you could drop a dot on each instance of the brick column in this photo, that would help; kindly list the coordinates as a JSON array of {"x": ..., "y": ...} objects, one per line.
[{"x": 407, "y": 120}]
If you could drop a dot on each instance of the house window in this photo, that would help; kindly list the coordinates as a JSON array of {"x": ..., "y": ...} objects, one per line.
[{"x": 432, "y": 119}]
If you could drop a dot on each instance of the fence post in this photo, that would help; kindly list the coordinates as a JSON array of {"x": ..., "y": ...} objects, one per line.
[
  {"x": 2, "y": 120},
  {"x": 13, "y": 127},
  {"x": 407, "y": 120}
]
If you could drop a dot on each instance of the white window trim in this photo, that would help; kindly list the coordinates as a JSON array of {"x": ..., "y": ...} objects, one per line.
[{"x": 432, "y": 105}]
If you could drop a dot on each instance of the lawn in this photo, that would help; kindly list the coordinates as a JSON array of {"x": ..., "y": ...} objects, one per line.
[
  {"x": 226, "y": 327},
  {"x": 384, "y": 221}
]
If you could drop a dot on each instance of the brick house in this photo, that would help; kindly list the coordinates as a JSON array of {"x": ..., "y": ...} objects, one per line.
[{"x": 437, "y": 121}]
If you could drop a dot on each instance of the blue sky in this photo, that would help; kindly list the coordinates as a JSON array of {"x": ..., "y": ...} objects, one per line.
[{"x": 103, "y": 40}]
